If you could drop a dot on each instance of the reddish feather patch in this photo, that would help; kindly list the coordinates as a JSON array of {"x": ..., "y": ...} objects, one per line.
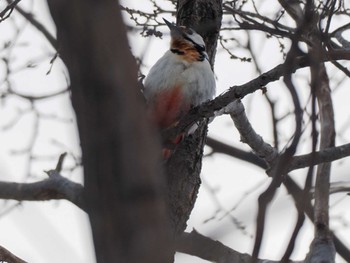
[{"x": 166, "y": 109}]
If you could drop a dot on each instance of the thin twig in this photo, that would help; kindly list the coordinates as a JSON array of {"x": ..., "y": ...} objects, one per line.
[
  {"x": 4, "y": 14},
  {"x": 39, "y": 26}
]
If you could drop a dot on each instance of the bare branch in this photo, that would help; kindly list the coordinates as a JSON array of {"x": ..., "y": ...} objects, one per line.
[
  {"x": 268, "y": 153},
  {"x": 60, "y": 162},
  {"x": 198, "y": 245},
  {"x": 39, "y": 26},
  {"x": 42, "y": 97},
  {"x": 293, "y": 8},
  {"x": 4, "y": 14},
  {"x": 339, "y": 187},
  {"x": 220, "y": 147},
  {"x": 248, "y": 135},
  {"x": 338, "y": 35},
  {"x": 319, "y": 78},
  {"x": 326, "y": 155},
  {"x": 255, "y": 21},
  {"x": 7, "y": 256},
  {"x": 296, "y": 192},
  {"x": 54, "y": 187},
  {"x": 208, "y": 109}
]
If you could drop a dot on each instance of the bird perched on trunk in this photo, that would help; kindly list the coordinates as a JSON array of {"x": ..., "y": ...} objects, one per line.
[{"x": 182, "y": 78}]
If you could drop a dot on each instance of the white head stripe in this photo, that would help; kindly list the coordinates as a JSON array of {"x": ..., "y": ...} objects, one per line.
[{"x": 196, "y": 38}]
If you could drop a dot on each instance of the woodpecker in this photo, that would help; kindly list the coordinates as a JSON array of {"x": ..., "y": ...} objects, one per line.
[{"x": 182, "y": 78}]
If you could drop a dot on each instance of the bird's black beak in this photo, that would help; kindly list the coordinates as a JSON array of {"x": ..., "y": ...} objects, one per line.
[{"x": 174, "y": 29}]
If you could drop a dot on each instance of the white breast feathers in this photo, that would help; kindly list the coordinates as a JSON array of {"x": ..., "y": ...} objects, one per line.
[{"x": 196, "y": 79}]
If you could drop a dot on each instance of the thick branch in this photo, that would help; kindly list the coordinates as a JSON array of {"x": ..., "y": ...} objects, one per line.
[
  {"x": 323, "y": 94},
  {"x": 326, "y": 155},
  {"x": 248, "y": 134},
  {"x": 7, "y": 256},
  {"x": 198, "y": 245},
  {"x": 54, "y": 187},
  {"x": 322, "y": 248}
]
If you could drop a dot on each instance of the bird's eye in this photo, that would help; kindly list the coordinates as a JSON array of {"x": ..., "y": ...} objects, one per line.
[
  {"x": 201, "y": 47},
  {"x": 189, "y": 31}
]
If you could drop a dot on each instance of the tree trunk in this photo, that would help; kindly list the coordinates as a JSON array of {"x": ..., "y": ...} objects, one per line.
[
  {"x": 183, "y": 169},
  {"x": 124, "y": 186}
]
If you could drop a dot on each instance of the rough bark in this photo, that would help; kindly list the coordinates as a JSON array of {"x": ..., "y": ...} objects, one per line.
[
  {"x": 183, "y": 173},
  {"x": 183, "y": 169}
]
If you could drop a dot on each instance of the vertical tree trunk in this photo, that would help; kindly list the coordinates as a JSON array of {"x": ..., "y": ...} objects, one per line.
[
  {"x": 124, "y": 185},
  {"x": 183, "y": 169}
]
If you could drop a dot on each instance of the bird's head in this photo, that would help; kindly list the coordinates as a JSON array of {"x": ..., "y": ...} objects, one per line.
[{"x": 186, "y": 43}]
